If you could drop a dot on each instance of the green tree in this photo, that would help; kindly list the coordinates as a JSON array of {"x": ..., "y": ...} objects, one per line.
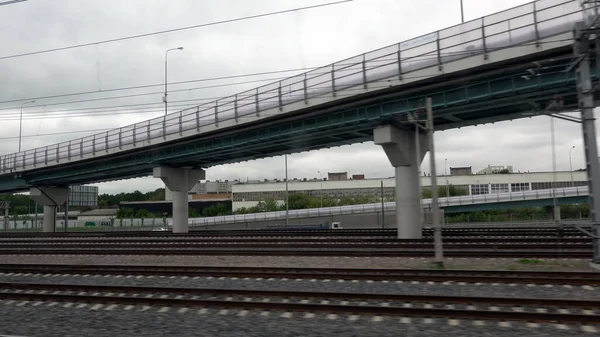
[
  {"x": 215, "y": 210},
  {"x": 453, "y": 191},
  {"x": 125, "y": 212}
]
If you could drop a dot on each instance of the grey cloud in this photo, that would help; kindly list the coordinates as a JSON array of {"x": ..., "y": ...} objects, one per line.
[{"x": 295, "y": 40}]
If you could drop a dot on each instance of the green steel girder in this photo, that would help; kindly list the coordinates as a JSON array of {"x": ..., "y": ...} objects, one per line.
[
  {"x": 473, "y": 103},
  {"x": 514, "y": 204},
  {"x": 13, "y": 184}
]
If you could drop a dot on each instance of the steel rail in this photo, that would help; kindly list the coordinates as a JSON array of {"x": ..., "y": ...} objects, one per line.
[
  {"x": 326, "y": 245},
  {"x": 546, "y": 240},
  {"x": 471, "y": 276},
  {"x": 307, "y": 252}
]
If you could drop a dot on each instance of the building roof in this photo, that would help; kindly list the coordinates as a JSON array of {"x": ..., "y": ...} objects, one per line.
[{"x": 100, "y": 212}]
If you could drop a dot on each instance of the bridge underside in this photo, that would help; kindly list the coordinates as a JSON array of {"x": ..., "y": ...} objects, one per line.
[{"x": 457, "y": 103}]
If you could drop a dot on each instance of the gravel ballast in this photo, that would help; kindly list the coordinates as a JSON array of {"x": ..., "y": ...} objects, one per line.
[
  {"x": 305, "y": 261},
  {"x": 44, "y": 321}
]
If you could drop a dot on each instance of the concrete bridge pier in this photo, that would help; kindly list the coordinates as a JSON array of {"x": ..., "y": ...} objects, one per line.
[
  {"x": 179, "y": 181},
  {"x": 51, "y": 198},
  {"x": 400, "y": 146}
]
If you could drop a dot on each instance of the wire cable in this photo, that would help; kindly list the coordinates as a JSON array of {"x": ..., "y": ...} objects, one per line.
[
  {"x": 405, "y": 61},
  {"x": 174, "y": 30}
]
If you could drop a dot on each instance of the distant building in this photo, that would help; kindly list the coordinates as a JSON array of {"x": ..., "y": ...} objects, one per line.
[
  {"x": 335, "y": 176},
  {"x": 207, "y": 190},
  {"x": 358, "y": 177},
  {"x": 461, "y": 171},
  {"x": 83, "y": 196},
  {"x": 496, "y": 169},
  {"x": 248, "y": 194}
]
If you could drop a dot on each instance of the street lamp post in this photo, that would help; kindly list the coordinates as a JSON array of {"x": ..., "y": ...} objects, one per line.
[
  {"x": 166, "y": 54},
  {"x": 571, "y": 166},
  {"x": 321, "y": 188},
  {"x": 462, "y": 15},
  {"x": 21, "y": 122}
]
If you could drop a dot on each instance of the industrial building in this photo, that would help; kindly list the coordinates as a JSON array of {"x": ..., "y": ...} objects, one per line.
[
  {"x": 249, "y": 194},
  {"x": 339, "y": 185}
]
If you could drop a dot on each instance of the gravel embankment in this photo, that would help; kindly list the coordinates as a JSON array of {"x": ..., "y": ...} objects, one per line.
[
  {"x": 305, "y": 261},
  {"x": 44, "y": 321}
]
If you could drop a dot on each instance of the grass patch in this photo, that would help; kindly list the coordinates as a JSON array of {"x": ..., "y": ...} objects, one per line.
[{"x": 531, "y": 261}]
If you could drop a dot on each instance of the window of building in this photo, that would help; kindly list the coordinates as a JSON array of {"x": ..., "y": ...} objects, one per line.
[
  {"x": 518, "y": 187},
  {"x": 480, "y": 189},
  {"x": 499, "y": 188}
]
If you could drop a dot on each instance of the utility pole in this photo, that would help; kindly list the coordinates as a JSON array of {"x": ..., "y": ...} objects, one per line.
[
  {"x": 587, "y": 35},
  {"x": 571, "y": 166},
  {"x": 287, "y": 195},
  {"x": 437, "y": 228},
  {"x": 382, "y": 208}
]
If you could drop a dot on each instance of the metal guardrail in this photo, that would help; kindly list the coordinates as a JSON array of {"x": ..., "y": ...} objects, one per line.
[
  {"x": 391, "y": 206},
  {"x": 519, "y": 25}
]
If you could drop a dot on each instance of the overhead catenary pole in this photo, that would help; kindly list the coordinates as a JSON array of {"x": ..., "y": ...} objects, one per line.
[
  {"x": 321, "y": 192},
  {"x": 418, "y": 161},
  {"x": 582, "y": 50},
  {"x": 553, "y": 144},
  {"x": 287, "y": 195},
  {"x": 462, "y": 13},
  {"x": 437, "y": 227},
  {"x": 382, "y": 208}
]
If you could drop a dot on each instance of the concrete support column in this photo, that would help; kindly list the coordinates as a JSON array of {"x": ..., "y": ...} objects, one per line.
[
  {"x": 49, "y": 219},
  {"x": 51, "y": 198},
  {"x": 179, "y": 181},
  {"x": 400, "y": 146},
  {"x": 408, "y": 202}
]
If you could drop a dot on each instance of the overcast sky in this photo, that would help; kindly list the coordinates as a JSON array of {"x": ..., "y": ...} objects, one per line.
[{"x": 289, "y": 41}]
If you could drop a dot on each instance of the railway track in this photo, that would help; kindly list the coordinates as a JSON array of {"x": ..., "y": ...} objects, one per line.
[
  {"x": 448, "y": 232},
  {"x": 292, "y": 240},
  {"x": 549, "y": 252},
  {"x": 324, "y": 245},
  {"x": 406, "y": 275},
  {"x": 405, "y": 305}
]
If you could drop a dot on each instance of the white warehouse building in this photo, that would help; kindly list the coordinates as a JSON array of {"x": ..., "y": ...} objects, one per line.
[{"x": 248, "y": 194}]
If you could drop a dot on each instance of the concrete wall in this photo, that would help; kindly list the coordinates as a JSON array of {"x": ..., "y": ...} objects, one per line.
[{"x": 363, "y": 220}]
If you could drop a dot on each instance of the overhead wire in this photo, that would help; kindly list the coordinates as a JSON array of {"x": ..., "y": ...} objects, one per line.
[
  {"x": 244, "y": 18},
  {"x": 352, "y": 66},
  {"x": 80, "y": 112},
  {"x": 349, "y": 92}
]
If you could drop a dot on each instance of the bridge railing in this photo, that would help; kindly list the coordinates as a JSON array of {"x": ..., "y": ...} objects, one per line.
[
  {"x": 528, "y": 23},
  {"x": 391, "y": 206}
]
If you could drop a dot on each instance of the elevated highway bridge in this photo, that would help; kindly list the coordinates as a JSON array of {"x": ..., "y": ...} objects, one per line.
[{"x": 512, "y": 64}]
